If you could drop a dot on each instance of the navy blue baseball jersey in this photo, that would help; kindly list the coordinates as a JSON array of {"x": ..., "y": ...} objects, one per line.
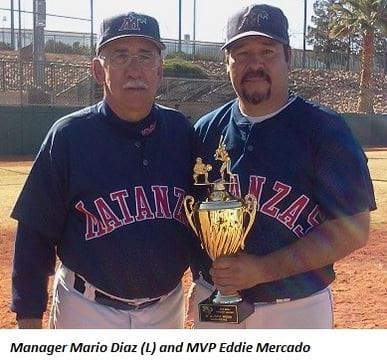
[
  {"x": 108, "y": 195},
  {"x": 303, "y": 165}
]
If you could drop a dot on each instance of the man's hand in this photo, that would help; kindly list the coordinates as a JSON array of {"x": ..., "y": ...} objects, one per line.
[
  {"x": 323, "y": 245},
  {"x": 232, "y": 273},
  {"x": 29, "y": 324}
]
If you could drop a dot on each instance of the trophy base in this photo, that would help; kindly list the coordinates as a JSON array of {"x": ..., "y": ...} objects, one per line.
[{"x": 224, "y": 313}]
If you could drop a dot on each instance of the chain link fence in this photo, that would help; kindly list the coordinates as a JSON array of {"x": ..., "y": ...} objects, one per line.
[
  {"x": 62, "y": 84},
  {"x": 65, "y": 79},
  {"x": 41, "y": 66}
]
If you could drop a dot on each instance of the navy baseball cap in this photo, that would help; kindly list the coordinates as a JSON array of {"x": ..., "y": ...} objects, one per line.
[
  {"x": 129, "y": 25},
  {"x": 257, "y": 20}
]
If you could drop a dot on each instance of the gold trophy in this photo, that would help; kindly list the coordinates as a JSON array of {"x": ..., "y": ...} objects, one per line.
[{"x": 222, "y": 223}]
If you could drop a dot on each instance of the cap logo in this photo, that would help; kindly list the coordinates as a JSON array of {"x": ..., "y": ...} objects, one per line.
[
  {"x": 253, "y": 18},
  {"x": 132, "y": 23}
]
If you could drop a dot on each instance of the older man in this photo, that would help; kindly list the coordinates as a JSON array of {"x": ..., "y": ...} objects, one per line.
[{"x": 105, "y": 195}]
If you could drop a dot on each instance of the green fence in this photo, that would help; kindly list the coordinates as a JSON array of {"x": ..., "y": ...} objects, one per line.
[
  {"x": 22, "y": 129},
  {"x": 370, "y": 130}
]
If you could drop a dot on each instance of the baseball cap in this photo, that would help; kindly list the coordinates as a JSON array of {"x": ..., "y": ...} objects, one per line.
[
  {"x": 257, "y": 20},
  {"x": 131, "y": 24}
]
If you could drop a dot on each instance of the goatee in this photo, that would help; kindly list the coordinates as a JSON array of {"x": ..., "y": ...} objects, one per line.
[{"x": 255, "y": 98}]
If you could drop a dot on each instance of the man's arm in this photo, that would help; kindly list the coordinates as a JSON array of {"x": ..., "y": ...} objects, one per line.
[
  {"x": 324, "y": 245},
  {"x": 33, "y": 263},
  {"x": 29, "y": 324}
]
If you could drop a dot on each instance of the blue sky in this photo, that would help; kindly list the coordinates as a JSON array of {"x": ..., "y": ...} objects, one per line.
[{"x": 211, "y": 15}]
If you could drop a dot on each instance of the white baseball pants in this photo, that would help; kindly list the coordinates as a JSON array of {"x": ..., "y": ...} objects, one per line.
[
  {"x": 73, "y": 310},
  {"x": 312, "y": 312}
]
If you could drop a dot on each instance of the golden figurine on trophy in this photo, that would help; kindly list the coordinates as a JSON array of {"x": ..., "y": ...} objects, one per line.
[{"x": 222, "y": 222}]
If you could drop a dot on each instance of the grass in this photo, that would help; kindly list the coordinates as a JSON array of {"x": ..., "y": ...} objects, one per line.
[{"x": 177, "y": 67}]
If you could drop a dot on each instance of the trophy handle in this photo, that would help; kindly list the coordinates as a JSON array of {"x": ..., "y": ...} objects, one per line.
[
  {"x": 251, "y": 211},
  {"x": 189, "y": 211}
]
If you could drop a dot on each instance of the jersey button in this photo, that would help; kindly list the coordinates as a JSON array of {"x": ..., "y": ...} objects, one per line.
[
  {"x": 145, "y": 162},
  {"x": 250, "y": 148},
  {"x": 137, "y": 144}
]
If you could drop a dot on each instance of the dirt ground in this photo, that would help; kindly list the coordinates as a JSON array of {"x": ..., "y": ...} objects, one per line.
[{"x": 360, "y": 290}]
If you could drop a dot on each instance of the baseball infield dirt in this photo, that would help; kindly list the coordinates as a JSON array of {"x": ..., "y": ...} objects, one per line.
[{"x": 360, "y": 290}]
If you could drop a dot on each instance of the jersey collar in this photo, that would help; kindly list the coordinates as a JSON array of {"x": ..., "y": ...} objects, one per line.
[{"x": 241, "y": 118}]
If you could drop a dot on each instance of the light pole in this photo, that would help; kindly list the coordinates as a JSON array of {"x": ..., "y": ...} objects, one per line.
[
  {"x": 91, "y": 28},
  {"x": 304, "y": 40},
  {"x": 19, "y": 41},
  {"x": 38, "y": 45},
  {"x": 194, "y": 30},
  {"x": 179, "y": 46},
  {"x": 19, "y": 46},
  {"x": 4, "y": 21},
  {"x": 92, "y": 51},
  {"x": 12, "y": 26}
]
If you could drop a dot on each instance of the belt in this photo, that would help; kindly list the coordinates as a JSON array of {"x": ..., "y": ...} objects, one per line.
[{"x": 103, "y": 299}]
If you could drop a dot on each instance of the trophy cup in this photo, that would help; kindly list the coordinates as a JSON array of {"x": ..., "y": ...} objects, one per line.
[{"x": 222, "y": 223}]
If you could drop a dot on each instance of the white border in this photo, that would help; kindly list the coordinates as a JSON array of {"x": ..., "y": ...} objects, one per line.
[{"x": 333, "y": 344}]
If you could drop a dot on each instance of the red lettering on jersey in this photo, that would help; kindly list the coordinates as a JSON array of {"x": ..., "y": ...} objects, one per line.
[
  {"x": 94, "y": 227},
  {"x": 161, "y": 202},
  {"x": 289, "y": 216},
  {"x": 256, "y": 186},
  {"x": 107, "y": 215},
  {"x": 235, "y": 186},
  {"x": 313, "y": 218},
  {"x": 120, "y": 197},
  {"x": 299, "y": 231},
  {"x": 312, "y": 221},
  {"x": 177, "y": 212},
  {"x": 143, "y": 208},
  {"x": 269, "y": 207}
]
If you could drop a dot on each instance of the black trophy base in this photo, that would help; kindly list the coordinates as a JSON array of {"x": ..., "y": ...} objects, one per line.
[{"x": 224, "y": 313}]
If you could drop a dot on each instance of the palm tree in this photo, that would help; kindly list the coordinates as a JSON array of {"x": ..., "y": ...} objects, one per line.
[{"x": 364, "y": 16}]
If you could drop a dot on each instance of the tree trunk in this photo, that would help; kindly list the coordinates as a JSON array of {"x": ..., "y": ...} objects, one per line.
[
  {"x": 366, "y": 95},
  {"x": 385, "y": 63},
  {"x": 348, "y": 53}
]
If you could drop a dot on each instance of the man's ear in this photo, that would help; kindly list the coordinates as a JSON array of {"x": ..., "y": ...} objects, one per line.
[
  {"x": 160, "y": 70},
  {"x": 289, "y": 59},
  {"x": 288, "y": 56},
  {"x": 159, "y": 73},
  {"x": 226, "y": 61},
  {"x": 98, "y": 71}
]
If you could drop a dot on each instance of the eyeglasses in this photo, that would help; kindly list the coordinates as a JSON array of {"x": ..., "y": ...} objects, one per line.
[{"x": 120, "y": 60}]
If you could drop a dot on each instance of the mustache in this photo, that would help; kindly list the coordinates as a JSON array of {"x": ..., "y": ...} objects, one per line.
[
  {"x": 135, "y": 83},
  {"x": 256, "y": 74}
]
